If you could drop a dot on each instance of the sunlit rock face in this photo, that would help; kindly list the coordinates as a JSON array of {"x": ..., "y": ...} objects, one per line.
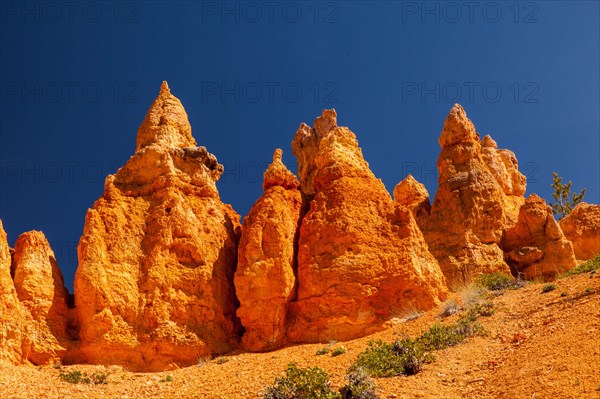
[
  {"x": 582, "y": 228},
  {"x": 536, "y": 247},
  {"x": 154, "y": 286},
  {"x": 265, "y": 279},
  {"x": 480, "y": 191},
  {"x": 37, "y": 325},
  {"x": 360, "y": 256}
]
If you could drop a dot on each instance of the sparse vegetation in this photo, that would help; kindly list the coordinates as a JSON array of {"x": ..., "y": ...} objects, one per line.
[
  {"x": 407, "y": 356},
  {"x": 78, "y": 377},
  {"x": 168, "y": 378},
  {"x": 565, "y": 202},
  {"x": 443, "y": 336},
  {"x": 323, "y": 351},
  {"x": 450, "y": 307},
  {"x": 548, "y": 288},
  {"x": 497, "y": 281},
  {"x": 588, "y": 290},
  {"x": 301, "y": 383},
  {"x": 359, "y": 386},
  {"x": 221, "y": 360},
  {"x": 563, "y": 294},
  {"x": 338, "y": 351},
  {"x": 479, "y": 309},
  {"x": 382, "y": 359},
  {"x": 589, "y": 266}
]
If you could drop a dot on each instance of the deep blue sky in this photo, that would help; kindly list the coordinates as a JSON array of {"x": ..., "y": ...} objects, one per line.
[{"x": 78, "y": 80}]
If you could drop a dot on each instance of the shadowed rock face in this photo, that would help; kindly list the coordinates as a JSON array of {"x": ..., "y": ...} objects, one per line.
[
  {"x": 265, "y": 279},
  {"x": 154, "y": 285},
  {"x": 536, "y": 246},
  {"x": 582, "y": 228},
  {"x": 359, "y": 256},
  {"x": 480, "y": 191}
]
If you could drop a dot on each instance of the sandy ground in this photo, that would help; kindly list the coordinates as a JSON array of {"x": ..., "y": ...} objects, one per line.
[{"x": 538, "y": 345}]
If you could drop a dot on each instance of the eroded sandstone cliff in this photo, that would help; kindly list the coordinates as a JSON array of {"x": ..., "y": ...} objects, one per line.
[
  {"x": 154, "y": 286},
  {"x": 360, "y": 258},
  {"x": 167, "y": 275},
  {"x": 480, "y": 190}
]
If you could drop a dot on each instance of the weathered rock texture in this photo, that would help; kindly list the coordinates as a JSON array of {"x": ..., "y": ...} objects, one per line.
[
  {"x": 414, "y": 196},
  {"x": 157, "y": 257},
  {"x": 536, "y": 246},
  {"x": 40, "y": 288},
  {"x": 14, "y": 319},
  {"x": 480, "y": 191},
  {"x": 360, "y": 258},
  {"x": 34, "y": 317},
  {"x": 582, "y": 228},
  {"x": 265, "y": 279}
]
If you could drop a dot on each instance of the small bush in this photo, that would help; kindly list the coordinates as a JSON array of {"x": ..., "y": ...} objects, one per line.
[
  {"x": 301, "y": 383},
  {"x": 221, "y": 360},
  {"x": 588, "y": 290},
  {"x": 479, "y": 309},
  {"x": 496, "y": 281},
  {"x": 381, "y": 359},
  {"x": 563, "y": 294},
  {"x": 338, "y": 351},
  {"x": 443, "y": 336},
  {"x": 548, "y": 288},
  {"x": 99, "y": 378},
  {"x": 168, "y": 378},
  {"x": 450, "y": 308},
  {"x": 585, "y": 267},
  {"x": 323, "y": 351},
  {"x": 359, "y": 386},
  {"x": 74, "y": 377},
  {"x": 77, "y": 377}
]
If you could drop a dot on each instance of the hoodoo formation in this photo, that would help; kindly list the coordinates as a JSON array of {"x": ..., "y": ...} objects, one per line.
[
  {"x": 158, "y": 253},
  {"x": 480, "y": 191},
  {"x": 168, "y": 275}
]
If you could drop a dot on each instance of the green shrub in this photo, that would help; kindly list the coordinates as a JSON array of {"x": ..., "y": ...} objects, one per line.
[
  {"x": 585, "y": 267},
  {"x": 381, "y": 359},
  {"x": 359, "y": 386},
  {"x": 323, "y": 351},
  {"x": 548, "y": 288},
  {"x": 563, "y": 294},
  {"x": 478, "y": 309},
  {"x": 497, "y": 281},
  {"x": 77, "y": 377},
  {"x": 338, "y": 351},
  {"x": 301, "y": 383},
  {"x": 74, "y": 377},
  {"x": 443, "y": 336}
]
